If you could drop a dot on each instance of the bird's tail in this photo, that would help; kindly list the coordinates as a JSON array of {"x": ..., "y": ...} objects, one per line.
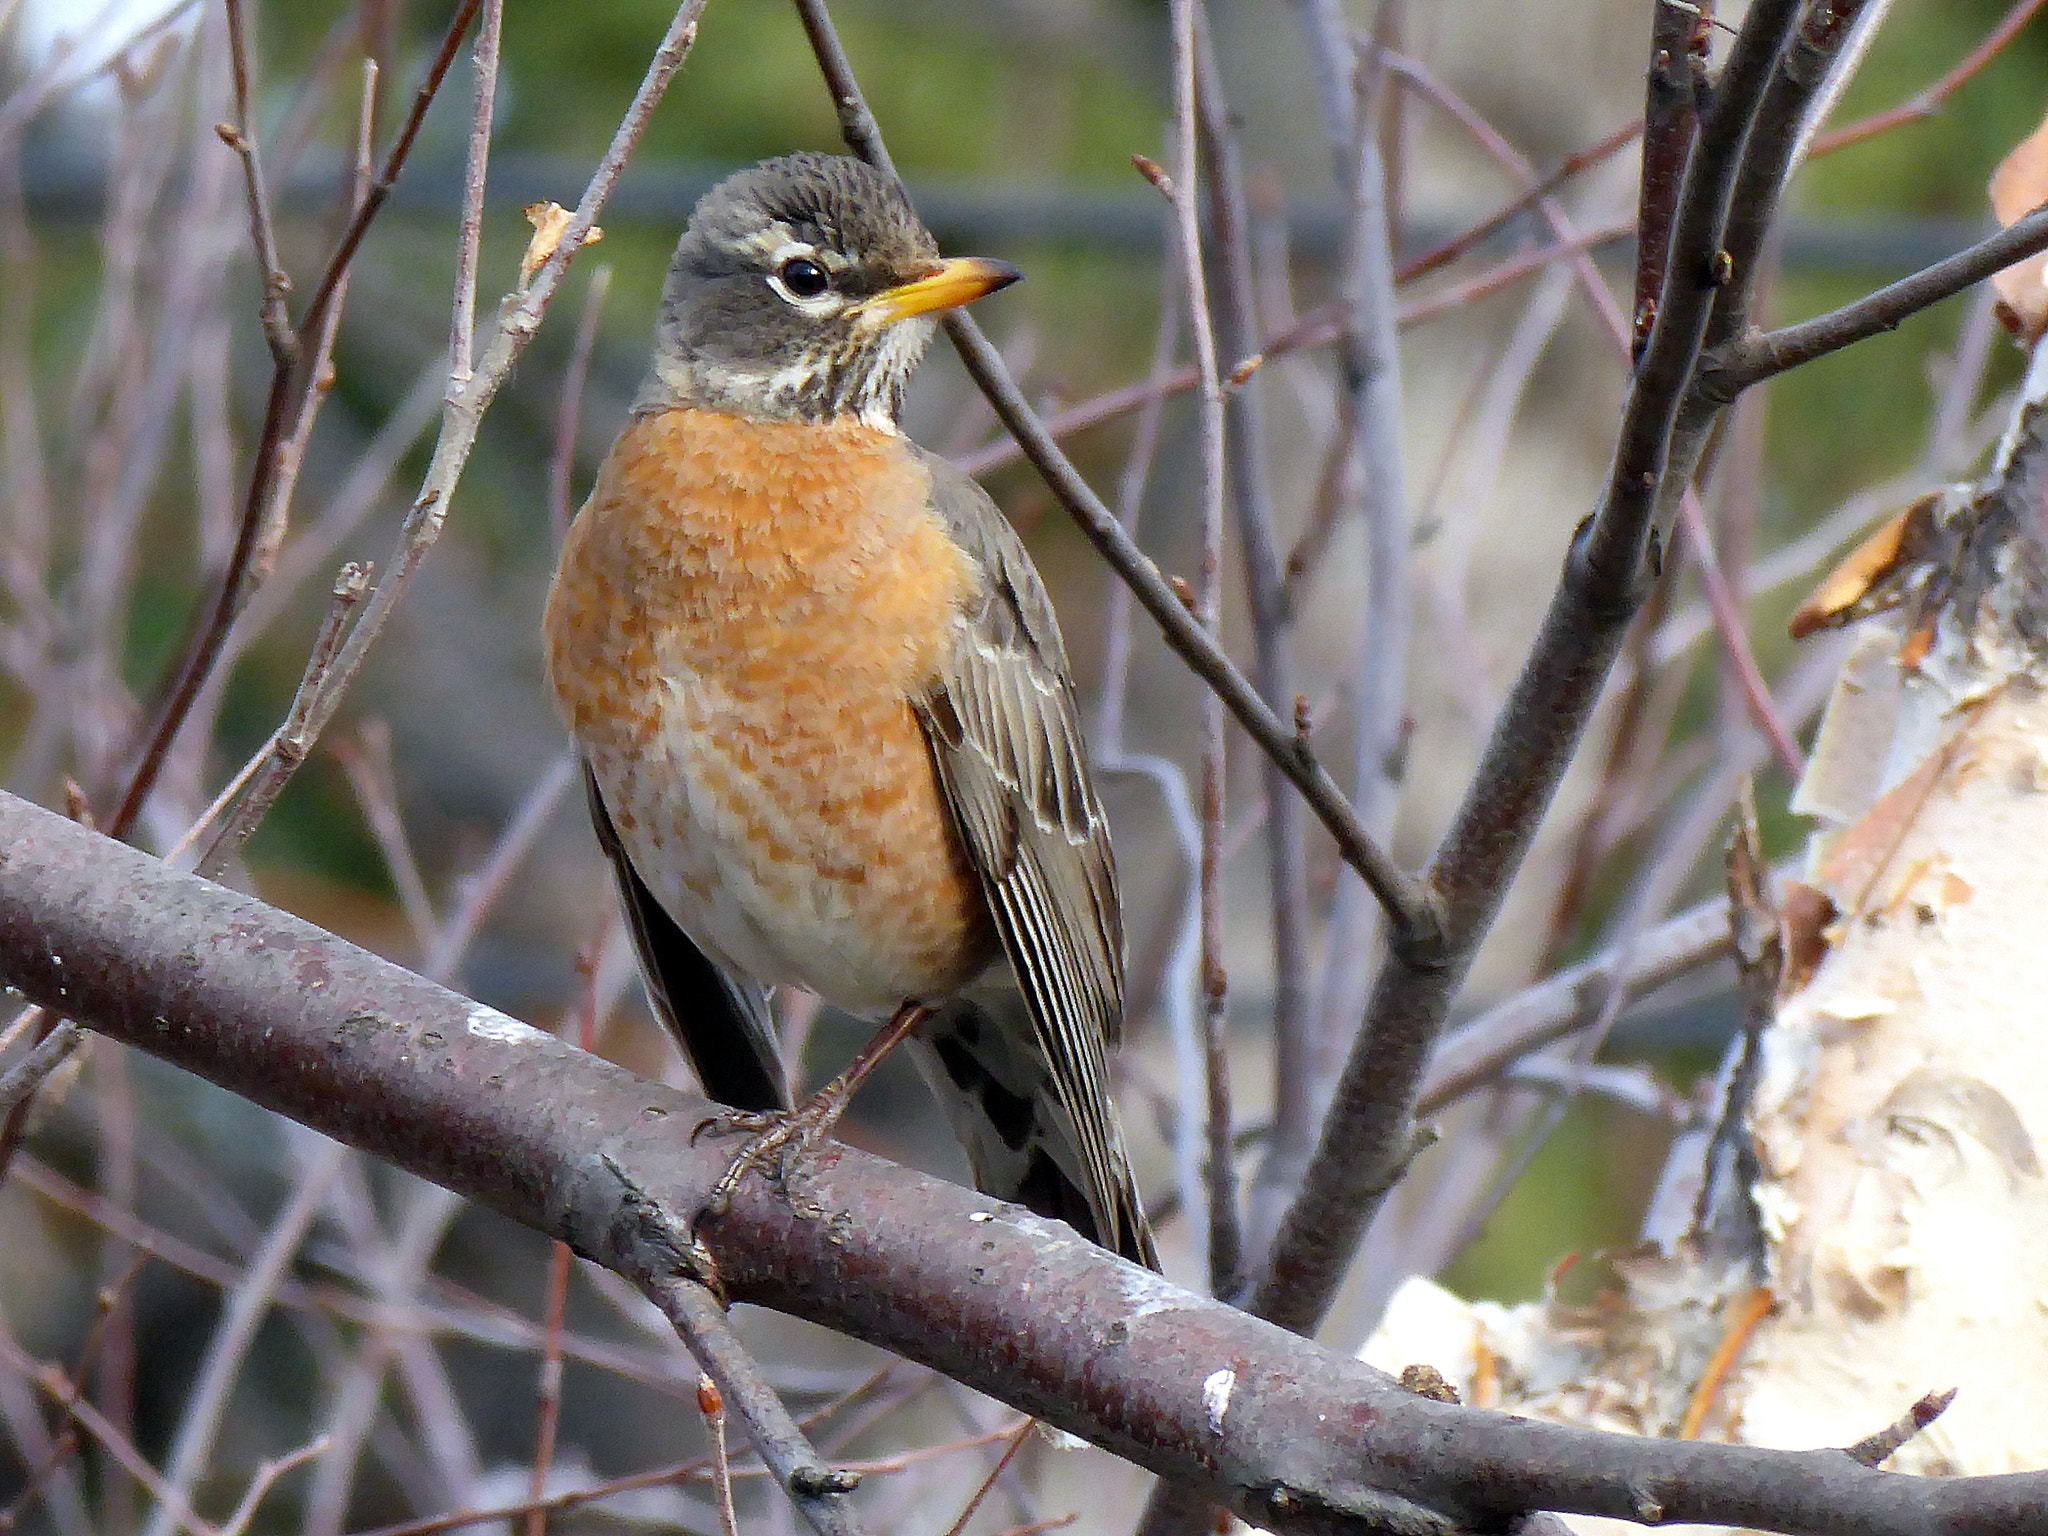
[{"x": 981, "y": 1057}]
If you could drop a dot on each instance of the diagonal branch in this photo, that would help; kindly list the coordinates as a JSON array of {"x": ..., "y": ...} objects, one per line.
[
  {"x": 818, "y": 1491},
  {"x": 1410, "y": 913}
]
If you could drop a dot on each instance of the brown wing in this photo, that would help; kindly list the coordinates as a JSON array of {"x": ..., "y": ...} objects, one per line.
[{"x": 1005, "y": 734}]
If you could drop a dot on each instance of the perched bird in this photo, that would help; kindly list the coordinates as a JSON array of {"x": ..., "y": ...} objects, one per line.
[{"x": 827, "y": 719}]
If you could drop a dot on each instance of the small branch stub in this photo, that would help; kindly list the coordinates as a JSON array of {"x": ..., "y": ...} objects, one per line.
[{"x": 1873, "y": 1450}]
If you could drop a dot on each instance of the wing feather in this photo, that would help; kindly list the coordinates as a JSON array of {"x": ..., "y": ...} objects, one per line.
[{"x": 1005, "y": 732}]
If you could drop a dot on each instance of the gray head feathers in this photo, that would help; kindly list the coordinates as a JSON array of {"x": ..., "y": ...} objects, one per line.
[{"x": 762, "y": 312}]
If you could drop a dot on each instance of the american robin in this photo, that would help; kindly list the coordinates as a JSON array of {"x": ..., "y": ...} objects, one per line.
[{"x": 827, "y": 719}]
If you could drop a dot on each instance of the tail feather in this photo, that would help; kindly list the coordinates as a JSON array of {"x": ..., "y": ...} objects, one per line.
[{"x": 1002, "y": 1099}]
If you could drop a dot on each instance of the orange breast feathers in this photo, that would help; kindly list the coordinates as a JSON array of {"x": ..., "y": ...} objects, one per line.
[
  {"x": 798, "y": 559},
  {"x": 750, "y": 608}
]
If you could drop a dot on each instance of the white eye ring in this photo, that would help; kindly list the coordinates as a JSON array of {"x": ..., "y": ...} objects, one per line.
[{"x": 803, "y": 277}]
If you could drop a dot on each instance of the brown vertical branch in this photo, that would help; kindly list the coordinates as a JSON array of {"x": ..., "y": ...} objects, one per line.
[
  {"x": 1369, "y": 371},
  {"x": 1629, "y": 750},
  {"x": 1675, "y": 82},
  {"x": 1297, "y": 1103},
  {"x": 1220, "y": 1184}
]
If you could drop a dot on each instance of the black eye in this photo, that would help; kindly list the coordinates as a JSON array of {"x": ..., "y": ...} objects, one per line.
[{"x": 804, "y": 279}]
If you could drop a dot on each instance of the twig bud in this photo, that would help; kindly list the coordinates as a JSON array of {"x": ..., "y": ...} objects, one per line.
[{"x": 1155, "y": 173}]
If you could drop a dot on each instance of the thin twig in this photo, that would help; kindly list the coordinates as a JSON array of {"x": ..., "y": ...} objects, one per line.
[
  {"x": 290, "y": 395},
  {"x": 550, "y": 1391},
  {"x": 1873, "y": 1450},
  {"x": 319, "y": 379},
  {"x": 366, "y": 761},
  {"x": 462, "y": 338},
  {"x": 1367, "y": 1137},
  {"x": 1224, "y": 1245},
  {"x": 267, "y": 1473},
  {"x": 107, "y": 1302},
  {"x": 240, "y": 136},
  {"x": 70, "y": 1399},
  {"x": 702, "y": 1469},
  {"x": 711, "y": 1403},
  {"x": 1178, "y": 986},
  {"x": 205, "y": 1404},
  {"x": 817, "y": 1490},
  {"x": 1571, "y": 166},
  {"x": 549, "y": 1394},
  {"x": 1369, "y": 368},
  {"x": 1318, "y": 327},
  {"x": 1298, "y": 1061},
  {"x": 46, "y": 1056},
  {"x": 519, "y": 317},
  {"x": 1016, "y": 1438},
  {"x": 562, "y": 462},
  {"x": 1727, "y": 610},
  {"x": 1926, "y": 103},
  {"x": 1760, "y": 355},
  {"x": 1728, "y": 620},
  {"x": 479, "y": 891},
  {"x": 282, "y": 755}
]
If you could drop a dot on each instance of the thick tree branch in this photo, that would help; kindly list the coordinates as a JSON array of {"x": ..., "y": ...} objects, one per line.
[{"x": 1291, "y": 1435}]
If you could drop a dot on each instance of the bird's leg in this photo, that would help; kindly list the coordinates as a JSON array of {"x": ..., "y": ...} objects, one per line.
[{"x": 785, "y": 1139}]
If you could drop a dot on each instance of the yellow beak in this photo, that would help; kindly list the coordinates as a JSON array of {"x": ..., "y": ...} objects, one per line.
[{"x": 953, "y": 283}]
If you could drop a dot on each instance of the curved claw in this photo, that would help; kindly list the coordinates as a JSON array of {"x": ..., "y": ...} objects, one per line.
[
  {"x": 735, "y": 1120},
  {"x": 778, "y": 1151}
]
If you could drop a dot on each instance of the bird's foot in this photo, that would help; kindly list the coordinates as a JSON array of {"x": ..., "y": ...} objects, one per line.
[
  {"x": 783, "y": 1142},
  {"x": 781, "y": 1145}
]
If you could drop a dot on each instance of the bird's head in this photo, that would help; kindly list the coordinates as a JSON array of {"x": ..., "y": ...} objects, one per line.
[{"x": 804, "y": 289}]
